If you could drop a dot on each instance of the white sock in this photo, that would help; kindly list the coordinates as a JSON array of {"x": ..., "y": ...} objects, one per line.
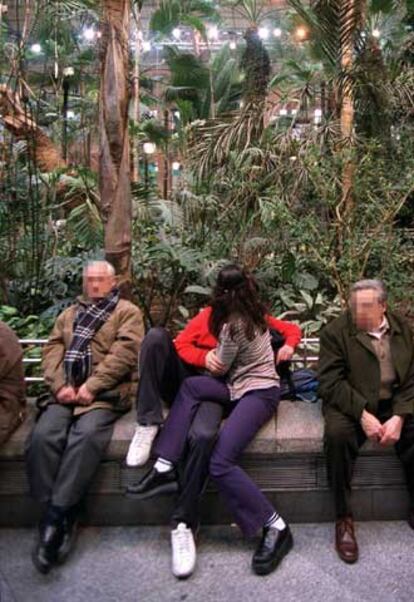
[
  {"x": 276, "y": 522},
  {"x": 162, "y": 465}
]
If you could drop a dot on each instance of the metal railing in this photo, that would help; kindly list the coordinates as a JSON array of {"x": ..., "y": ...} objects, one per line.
[
  {"x": 306, "y": 354},
  {"x": 29, "y": 345}
]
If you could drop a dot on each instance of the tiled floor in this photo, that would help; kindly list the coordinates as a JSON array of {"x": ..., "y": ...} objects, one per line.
[{"x": 133, "y": 564}]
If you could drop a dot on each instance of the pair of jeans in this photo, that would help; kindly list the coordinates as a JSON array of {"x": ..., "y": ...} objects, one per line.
[
  {"x": 249, "y": 506},
  {"x": 161, "y": 372}
]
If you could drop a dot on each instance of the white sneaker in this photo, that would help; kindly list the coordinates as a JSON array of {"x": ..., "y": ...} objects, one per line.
[
  {"x": 140, "y": 446},
  {"x": 183, "y": 551}
]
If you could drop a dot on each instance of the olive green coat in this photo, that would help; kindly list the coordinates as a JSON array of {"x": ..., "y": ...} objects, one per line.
[
  {"x": 349, "y": 371},
  {"x": 114, "y": 350}
]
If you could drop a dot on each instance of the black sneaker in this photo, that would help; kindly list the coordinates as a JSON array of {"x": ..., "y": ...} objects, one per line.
[
  {"x": 273, "y": 546},
  {"x": 154, "y": 483}
]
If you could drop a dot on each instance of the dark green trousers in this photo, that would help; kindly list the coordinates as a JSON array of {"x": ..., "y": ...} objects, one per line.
[{"x": 343, "y": 438}]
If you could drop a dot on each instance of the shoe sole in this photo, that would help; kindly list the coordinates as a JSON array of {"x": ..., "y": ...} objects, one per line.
[
  {"x": 347, "y": 560},
  {"x": 269, "y": 567},
  {"x": 183, "y": 577},
  {"x": 162, "y": 489}
]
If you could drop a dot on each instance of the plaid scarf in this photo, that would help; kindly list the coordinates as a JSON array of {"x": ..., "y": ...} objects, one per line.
[{"x": 78, "y": 358}]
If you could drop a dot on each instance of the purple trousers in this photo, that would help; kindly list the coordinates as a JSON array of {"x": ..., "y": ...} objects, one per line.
[{"x": 249, "y": 507}]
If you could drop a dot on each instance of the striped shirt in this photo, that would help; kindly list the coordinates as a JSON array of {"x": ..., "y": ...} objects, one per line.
[{"x": 250, "y": 364}]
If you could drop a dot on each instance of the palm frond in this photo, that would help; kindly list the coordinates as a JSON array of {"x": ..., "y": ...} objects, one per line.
[
  {"x": 333, "y": 24},
  {"x": 172, "y": 13}
]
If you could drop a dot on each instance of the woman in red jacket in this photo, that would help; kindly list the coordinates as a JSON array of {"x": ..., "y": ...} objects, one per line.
[
  {"x": 249, "y": 393},
  {"x": 165, "y": 363}
]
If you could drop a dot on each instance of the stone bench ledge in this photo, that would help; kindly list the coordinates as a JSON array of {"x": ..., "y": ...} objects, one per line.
[{"x": 297, "y": 428}]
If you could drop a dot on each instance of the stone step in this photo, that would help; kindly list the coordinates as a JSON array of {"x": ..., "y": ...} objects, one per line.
[{"x": 285, "y": 459}]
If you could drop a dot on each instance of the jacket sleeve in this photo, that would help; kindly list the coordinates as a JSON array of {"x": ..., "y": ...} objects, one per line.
[
  {"x": 403, "y": 398},
  {"x": 186, "y": 341},
  {"x": 334, "y": 387},
  {"x": 122, "y": 357},
  {"x": 53, "y": 355},
  {"x": 290, "y": 331}
]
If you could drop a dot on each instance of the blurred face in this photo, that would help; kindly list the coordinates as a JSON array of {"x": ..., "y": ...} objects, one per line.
[
  {"x": 367, "y": 310},
  {"x": 97, "y": 283}
]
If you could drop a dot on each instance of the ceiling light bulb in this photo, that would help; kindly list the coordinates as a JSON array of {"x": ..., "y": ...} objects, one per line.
[
  {"x": 263, "y": 33},
  {"x": 89, "y": 34},
  {"x": 301, "y": 33},
  {"x": 149, "y": 148},
  {"x": 212, "y": 32}
]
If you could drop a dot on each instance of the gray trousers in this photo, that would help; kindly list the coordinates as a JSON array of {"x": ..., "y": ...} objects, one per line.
[{"x": 63, "y": 453}]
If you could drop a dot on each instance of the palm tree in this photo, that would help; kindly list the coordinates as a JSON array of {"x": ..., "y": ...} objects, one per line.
[
  {"x": 114, "y": 176},
  {"x": 255, "y": 62}
]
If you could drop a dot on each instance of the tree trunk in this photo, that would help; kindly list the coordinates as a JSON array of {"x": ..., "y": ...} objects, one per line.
[
  {"x": 135, "y": 97},
  {"x": 114, "y": 167},
  {"x": 347, "y": 119},
  {"x": 42, "y": 150}
]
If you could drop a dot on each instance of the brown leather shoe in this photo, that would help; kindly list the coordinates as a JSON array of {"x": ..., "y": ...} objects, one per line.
[{"x": 345, "y": 540}]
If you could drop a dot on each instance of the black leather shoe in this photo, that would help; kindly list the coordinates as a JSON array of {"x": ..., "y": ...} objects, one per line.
[
  {"x": 273, "y": 546},
  {"x": 70, "y": 529},
  {"x": 45, "y": 552},
  {"x": 154, "y": 483}
]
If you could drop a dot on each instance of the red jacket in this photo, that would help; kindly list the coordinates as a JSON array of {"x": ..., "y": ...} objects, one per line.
[{"x": 195, "y": 341}]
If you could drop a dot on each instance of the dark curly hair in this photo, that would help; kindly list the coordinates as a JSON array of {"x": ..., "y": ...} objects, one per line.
[{"x": 236, "y": 295}]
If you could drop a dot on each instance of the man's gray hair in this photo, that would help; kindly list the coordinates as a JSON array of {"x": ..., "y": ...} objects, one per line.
[
  {"x": 375, "y": 285},
  {"x": 110, "y": 270}
]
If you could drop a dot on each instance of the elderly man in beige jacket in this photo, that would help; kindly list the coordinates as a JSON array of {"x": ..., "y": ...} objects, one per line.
[{"x": 90, "y": 367}]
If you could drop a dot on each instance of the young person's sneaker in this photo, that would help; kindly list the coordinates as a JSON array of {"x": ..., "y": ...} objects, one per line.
[
  {"x": 183, "y": 551},
  {"x": 140, "y": 446}
]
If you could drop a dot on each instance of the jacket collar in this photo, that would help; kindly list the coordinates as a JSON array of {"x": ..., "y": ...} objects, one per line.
[
  {"x": 364, "y": 338},
  {"x": 354, "y": 331}
]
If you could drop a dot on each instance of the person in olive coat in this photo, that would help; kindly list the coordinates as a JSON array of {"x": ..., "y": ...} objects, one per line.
[{"x": 366, "y": 374}]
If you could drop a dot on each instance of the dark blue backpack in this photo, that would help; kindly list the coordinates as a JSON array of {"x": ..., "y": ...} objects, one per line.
[{"x": 300, "y": 384}]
